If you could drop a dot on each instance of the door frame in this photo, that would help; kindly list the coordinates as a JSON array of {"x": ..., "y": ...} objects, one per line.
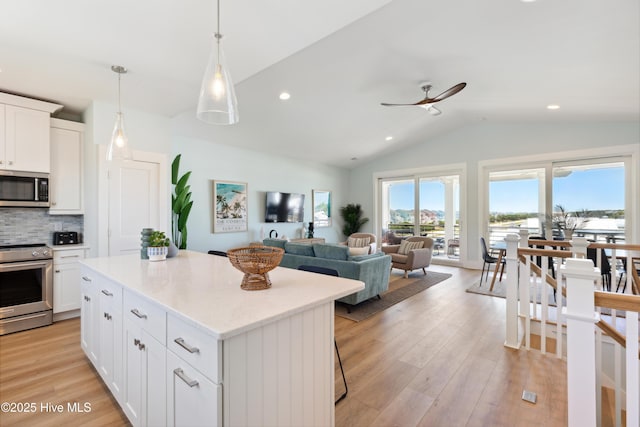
[
  {"x": 103, "y": 192},
  {"x": 459, "y": 169}
]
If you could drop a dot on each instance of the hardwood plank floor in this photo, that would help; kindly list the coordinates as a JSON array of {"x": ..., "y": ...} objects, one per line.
[{"x": 434, "y": 359}]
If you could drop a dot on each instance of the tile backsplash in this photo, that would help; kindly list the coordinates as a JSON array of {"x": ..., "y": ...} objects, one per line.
[{"x": 35, "y": 225}]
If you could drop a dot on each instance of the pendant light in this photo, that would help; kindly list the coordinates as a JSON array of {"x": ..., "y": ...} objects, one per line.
[
  {"x": 119, "y": 145},
  {"x": 217, "y": 103}
]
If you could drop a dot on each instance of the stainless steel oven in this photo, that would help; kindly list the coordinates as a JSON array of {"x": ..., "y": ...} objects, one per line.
[{"x": 26, "y": 287}]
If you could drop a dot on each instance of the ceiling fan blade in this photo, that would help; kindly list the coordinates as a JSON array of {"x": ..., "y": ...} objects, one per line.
[
  {"x": 447, "y": 93},
  {"x": 386, "y": 104}
]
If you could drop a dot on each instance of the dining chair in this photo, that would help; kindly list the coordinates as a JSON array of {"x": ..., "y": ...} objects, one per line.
[
  {"x": 329, "y": 272},
  {"x": 605, "y": 266},
  {"x": 488, "y": 261}
]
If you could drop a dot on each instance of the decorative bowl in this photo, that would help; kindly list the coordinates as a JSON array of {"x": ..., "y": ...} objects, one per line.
[{"x": 255, "y": 262}]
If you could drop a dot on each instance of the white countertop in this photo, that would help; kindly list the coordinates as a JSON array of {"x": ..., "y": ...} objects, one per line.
[{"x": 205, "y": 289}]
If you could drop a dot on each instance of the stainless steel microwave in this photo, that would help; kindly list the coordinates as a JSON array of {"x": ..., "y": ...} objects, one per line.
[{"x": 24, "y": 189}]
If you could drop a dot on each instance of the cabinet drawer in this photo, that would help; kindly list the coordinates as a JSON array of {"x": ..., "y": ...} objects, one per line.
[
  {"x": 196, "y": 347},
  {"x": 104, "y": 287},
  {"x": 65, "y": 257},
  {"x": 146, "y": 315},
  {"x": 191, "y": 398}
]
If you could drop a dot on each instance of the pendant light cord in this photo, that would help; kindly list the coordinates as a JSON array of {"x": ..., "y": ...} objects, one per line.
[
  {"x": 119, "y": 103},
  {"x": 218, "y": 35}
]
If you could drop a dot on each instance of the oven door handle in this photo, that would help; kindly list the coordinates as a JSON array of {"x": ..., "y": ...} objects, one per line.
[{"x": 13, "y": 266}]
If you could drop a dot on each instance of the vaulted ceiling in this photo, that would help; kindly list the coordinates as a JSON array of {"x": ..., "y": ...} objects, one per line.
[{"x": 338, "y": 60}]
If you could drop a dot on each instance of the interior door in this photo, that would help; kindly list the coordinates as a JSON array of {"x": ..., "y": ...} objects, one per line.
[{"x": 134, "y": 187}]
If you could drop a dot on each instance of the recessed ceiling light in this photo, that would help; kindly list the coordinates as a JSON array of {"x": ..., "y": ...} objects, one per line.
[
  {"x": 284, "y": 96},
  {"x": 552, "y": 107},
  {"x": 527, "y": 1},
  {"x": 389, "y": 138}
]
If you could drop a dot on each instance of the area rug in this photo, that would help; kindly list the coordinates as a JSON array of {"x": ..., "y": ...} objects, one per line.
[
  {"x": 399, "y": 290},
  {"x": 500, "y": 290}
]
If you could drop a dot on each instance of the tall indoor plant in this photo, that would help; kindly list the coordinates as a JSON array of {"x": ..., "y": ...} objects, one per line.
[
  {"x": 353, "y": 220},
  {"x": 181, "y": 204}
]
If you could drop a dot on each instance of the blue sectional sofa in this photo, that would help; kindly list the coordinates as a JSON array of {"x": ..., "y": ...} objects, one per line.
[{"x": 371, "y": 269}]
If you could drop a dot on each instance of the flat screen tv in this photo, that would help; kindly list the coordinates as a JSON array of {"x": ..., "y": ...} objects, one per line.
[{"x": 284, "y": 207}]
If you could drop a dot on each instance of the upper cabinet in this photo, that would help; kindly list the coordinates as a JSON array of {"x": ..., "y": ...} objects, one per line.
[
  {"x": 24, "y": 143},
  {"x": 66, "y": 179}
]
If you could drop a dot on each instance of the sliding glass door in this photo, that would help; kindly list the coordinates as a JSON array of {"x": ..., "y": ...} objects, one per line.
[
  {"x": 422, "y": 205},
  {"x": 560, "y": 200}
]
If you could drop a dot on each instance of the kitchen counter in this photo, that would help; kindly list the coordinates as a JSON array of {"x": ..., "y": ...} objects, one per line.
[
  {"x": 68, "y": 247},
  {"x": 205, "y": 289}
]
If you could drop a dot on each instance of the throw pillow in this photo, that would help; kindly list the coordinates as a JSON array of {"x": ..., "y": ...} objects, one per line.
[
  {"x": 406, "y": 246},
  {"x": 359, "y": 251},
  {"x": 358, "y": 242}
]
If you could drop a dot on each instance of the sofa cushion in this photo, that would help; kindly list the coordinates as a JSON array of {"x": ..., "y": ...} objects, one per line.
[
  {"x": 367, "y": 256},
  {"x": 406, "y": 246},
  {"x": 278, "y": 243},
  {"x": 338, "y": 252},
  {"x": 354, "y": 251},
  {"x": 298, "y": 249},
  {"x": 358, "y": 242}
]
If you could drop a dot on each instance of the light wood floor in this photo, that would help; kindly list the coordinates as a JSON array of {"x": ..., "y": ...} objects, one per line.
[{"x": 435, "y": 359}]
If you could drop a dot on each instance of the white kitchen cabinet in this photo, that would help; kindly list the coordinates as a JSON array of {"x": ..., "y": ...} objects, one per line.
[
  {"x": 144, "y": 361},
  {"x": 66, "y": 281},
  {"x": 25, "y": 143},
  {"x": 110, "y": 333},
  {"x": 192, "y": 399},
  {"x": 144, "y": 365},
  {"x": 66, "y": 184},
  {"x": 89, "y": 320}
]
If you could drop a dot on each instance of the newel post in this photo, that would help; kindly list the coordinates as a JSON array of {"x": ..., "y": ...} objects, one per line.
[
  {"x": 581, "y": 349},
  {"x": 511, "y": 336},
  {"x": 579, "y": 247}
]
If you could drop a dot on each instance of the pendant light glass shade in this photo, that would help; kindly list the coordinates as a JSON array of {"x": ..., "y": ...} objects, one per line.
[
  {"x": 119, "y": 145},
  {"x": 217, "y": 103}
]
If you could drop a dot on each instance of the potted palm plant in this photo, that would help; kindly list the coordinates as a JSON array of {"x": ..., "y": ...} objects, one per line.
[{"x": 158, "y": 246}]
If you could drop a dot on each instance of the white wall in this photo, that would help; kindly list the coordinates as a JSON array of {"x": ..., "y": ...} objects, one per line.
[
  {"x": 486, "y": 141},
  {"x": 147, "y": 132},
  {"x": 262, "y": 172}
]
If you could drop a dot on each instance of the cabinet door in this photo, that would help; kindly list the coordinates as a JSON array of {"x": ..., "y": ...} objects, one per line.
[
  {"x": 192, "y": 399},
  {"x": 66, "y": 172},
  {"x": 110, "y": 357},
  {"x": 27, "y": 139},
  {"x": 66, "y": 287},
  {"x": 3, "y": 144},
  {"x": 89, "y": 323},
  {"x": 143, "y": 394}
]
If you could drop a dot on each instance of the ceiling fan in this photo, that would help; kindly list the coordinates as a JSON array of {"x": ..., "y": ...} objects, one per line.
[{"x": 427, "y": 102}]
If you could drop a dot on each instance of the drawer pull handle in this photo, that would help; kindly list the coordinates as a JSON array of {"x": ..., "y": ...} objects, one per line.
[
  {"x": 70, "y": 256},
  {"x": 186, "y": 346},
  {"x": 138, "y": 314},
  {"x": 86, "y": 279},
  {"x": 136, "y": 341},
  {"x": 180, "y": 373},
  {"x": 107, "y": 293},
  {"x": 86, "y": 298}
]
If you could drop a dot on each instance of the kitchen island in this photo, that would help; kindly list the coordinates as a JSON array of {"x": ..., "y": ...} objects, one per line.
[{"x": 179, "y": 343}]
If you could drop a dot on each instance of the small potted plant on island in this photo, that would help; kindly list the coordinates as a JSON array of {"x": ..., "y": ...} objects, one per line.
[{"x": 158, "y": 246}]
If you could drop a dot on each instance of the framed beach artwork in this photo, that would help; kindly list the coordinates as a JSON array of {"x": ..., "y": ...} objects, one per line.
[
  {"x": 321, "y": 201},
  {"x": 230, "y": 206}
]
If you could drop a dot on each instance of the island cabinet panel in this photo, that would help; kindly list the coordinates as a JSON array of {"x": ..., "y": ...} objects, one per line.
[
  {"x": 192, "y": 399},
  {"x": 281, "y": 373},
  {"x": 110, "y": 319},
  {"x": 196, "y": 347},
  {"x": 89, "y": 320}
]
